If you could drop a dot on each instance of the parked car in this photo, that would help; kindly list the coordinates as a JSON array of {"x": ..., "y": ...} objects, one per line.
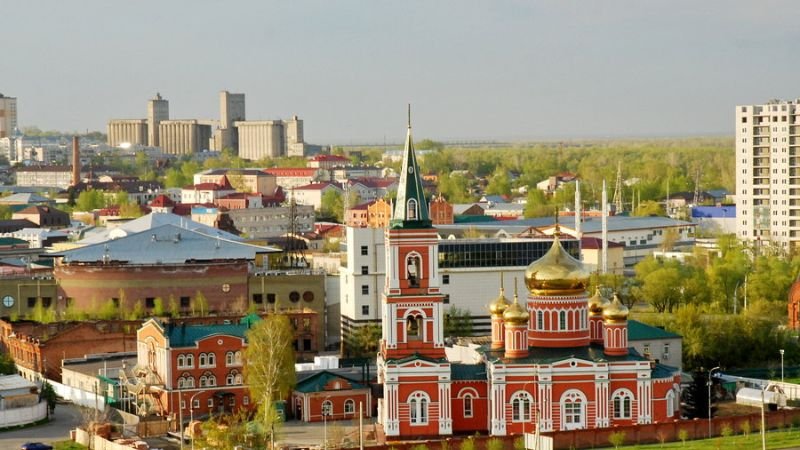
[{"x": 36, "y": 446}]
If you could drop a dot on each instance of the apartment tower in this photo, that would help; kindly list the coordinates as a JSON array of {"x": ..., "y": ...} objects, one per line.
[
  {"x": 768, "y": 175},
  {"x": 8, "y": 116}
]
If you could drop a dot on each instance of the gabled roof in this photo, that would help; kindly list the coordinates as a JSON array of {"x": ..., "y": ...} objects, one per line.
[
  {"x": 317, "y": 381},
  {"x": 188, "y": 335},
  {"x": 154, "y": 220},
  {"x": 638, "y": 331},
  {"x": 162, "y": 201},
  {"x": 42, "y": 210},
  {"x": 167, "y": 244},
  {"x": 589, "y": 242},
  {"x": 318, "y": 186},
  {"x": 291, "y": 171},
  {"x": 24, "y": 198},
  {"x": 331, "y": 158},
  {"x": 374, "y": 183}
]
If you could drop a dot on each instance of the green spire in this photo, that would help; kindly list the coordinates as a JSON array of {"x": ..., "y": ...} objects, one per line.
[{"x": 411, "y": 209}]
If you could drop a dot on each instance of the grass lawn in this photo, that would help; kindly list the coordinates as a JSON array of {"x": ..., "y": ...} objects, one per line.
[
  {"x": 68, "y": 445},
  {"x": 775, "y": 440}
]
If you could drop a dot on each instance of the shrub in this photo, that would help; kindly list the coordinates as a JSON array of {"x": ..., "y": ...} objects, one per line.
[
  {"x": 727, "y": 430},
  {"x": 616, "y": 438},
  {"x": 683, "y": 435},
  {"x": 519, "y": 443},
  {"x": 744, "y": 427},
  {"x": 420, "y": 447},
  {"x": 494, "y": 444},
  {"x": 467, "y": 444}
]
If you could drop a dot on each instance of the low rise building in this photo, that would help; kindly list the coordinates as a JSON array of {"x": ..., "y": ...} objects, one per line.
[
  {"x": 263, "y": 223},
  {"x": 312, "y": 194},
  {"x": 43, "y": 216}
]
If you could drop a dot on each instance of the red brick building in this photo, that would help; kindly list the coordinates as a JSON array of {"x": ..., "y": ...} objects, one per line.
[
  {"x": 39, "y": 348},
  {"x": 441, "y": 211},
  {"x": 330, "y": 395}
]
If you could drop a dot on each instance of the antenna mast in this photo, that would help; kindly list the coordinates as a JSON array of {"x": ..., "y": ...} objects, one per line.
[{"x": 618, "y": 196}]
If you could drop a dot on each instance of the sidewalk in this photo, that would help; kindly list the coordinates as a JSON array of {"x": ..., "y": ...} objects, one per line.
[{"x": 300, "y": 434}]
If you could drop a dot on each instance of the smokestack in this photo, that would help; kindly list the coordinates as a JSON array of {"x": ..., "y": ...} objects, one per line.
[{"x": 76, "y": 160}]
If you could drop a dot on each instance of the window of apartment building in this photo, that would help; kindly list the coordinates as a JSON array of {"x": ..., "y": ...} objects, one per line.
[
  {"x": 365, "y": 289},
  {"x": 150, "y": 302},
  {"x": 270, "y": 298},
  {"x": 446, "y": 299},
  {"x": 196, "y": 403},
  {"x": 31, "y": 302},
  {"x": 258, "y": 299},
  {"x": 246, "y": 400},
  {"x": 364, "y": 270},
  {"x": 210, "y": 403},
  {"x": 186, "y": 302},
  {"x": 445, "y": 279},
  {"x": 364, "y": 250},
  {"x": 665, "y": 353},
  {"x": 306, "y": 345},
  {"x": 364, "y": 310},
  {"x": 744, "y": 119}
]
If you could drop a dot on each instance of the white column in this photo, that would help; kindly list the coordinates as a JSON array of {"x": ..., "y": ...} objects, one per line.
[
  {"x": 645, "y": 401},
  {"x": 445, "y": 414},
  {"x": 601, "y": 403},
  {"x": 391, "y": 420},
  {"x": 497, "y": 408},
  {"x": 545, "y": 392}
]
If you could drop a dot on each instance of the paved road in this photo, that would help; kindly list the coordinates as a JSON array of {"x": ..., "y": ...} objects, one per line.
[{"x": 65, "y": 418}]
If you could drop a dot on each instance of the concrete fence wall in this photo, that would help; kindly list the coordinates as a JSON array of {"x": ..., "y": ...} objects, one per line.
[
  {"x": 79, "y": 396},
  {"x": 96, "y": 442},
  {"x": 22, "y": 416}
]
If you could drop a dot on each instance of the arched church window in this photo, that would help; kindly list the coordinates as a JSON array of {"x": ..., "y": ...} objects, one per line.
[
  {"x": 413, "y": 271},
  {"x": 521, "y": 407},
  {"x": 412, "y": 326},
  {"x": 418, "y": 408},
  {"x": 621, "y": 402},
  {"x": 573, "y": 405},
  {"x": 411, "y": 211}
]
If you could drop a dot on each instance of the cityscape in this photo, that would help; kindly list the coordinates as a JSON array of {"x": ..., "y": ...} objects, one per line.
[{"x": 527, "y": 226}]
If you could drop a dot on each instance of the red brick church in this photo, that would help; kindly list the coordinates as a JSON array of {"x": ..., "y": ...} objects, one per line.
[{"x": 558, "y": 359}]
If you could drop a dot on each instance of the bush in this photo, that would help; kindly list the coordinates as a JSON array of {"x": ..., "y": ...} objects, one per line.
[
  {"x": 519, "y": 443},
  {"x": 494, "y": 444},
  {"x": 420, "y": 447},
  {"x": 683, "y": 435},
  {"x": 467, "y": 444},
  {"x": 744, "y": 427},
  {"x": 616, "y": 438}
]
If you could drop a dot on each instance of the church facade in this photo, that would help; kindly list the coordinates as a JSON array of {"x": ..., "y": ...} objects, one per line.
[{"x": 558, "y": 359}]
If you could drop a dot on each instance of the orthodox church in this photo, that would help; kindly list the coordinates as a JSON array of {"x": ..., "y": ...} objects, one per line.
[{"x": 558, "y": 359}]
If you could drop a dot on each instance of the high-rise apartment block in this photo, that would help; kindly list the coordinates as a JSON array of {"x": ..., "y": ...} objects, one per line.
[
  {"x": 8, "y": 116},
  {"x": 768, "y": 174}
]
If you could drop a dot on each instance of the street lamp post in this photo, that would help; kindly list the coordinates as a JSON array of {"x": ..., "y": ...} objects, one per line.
[
  {"x": 781, "y": 350},
  {"x": 709, "y": 399},
  {"x": 325, "y": 413},
  {"x": 191, "y": 413}
]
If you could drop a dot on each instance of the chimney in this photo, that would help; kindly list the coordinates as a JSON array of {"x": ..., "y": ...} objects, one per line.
[{"x": 76, "y": 160}]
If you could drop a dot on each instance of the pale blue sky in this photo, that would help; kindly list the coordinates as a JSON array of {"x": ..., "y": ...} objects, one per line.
[{"x": 493, "y": 69}]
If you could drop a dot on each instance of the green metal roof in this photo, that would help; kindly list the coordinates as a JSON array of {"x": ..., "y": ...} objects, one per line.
[
  {"x": 663, "y": 371},
  {"x": 467, "y": 372},
  {"x": 188, "y": 335},
  {"x": 317, "y": 382},
  {"x": 638, "y": 331},
  {"x": 542, "y": 355}
]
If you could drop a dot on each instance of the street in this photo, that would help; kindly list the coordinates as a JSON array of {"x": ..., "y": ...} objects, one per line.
[{"x": 65, "y": 418}]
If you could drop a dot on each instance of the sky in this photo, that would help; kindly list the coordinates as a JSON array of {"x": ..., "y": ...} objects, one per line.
[{"x": 490, "y": 70}]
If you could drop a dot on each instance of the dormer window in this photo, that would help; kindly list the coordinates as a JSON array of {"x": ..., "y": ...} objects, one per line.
[{"x": 411, "y": 209}]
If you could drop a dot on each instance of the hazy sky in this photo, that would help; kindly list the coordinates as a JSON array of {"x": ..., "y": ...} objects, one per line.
[{"x": 491, "y": 69}]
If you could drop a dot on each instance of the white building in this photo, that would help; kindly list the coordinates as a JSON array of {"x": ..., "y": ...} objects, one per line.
[
  {"x": 468, "y": 268},
  {"x": 768, "y": 173}
]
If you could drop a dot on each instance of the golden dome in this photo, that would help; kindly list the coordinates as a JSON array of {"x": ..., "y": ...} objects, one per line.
[
  {"x": 557, "y": 272},
  {"x": 499, "y": 305},
  {"x": 615, "y": 311},
  {"x": 597, "y": 302},
  {"x": 516, "y": 313}
]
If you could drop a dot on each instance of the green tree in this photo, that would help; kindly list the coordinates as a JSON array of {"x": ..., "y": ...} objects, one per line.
[
  {"x": 649, "y": 208},
  {"x": 137, "y": 312},
  {"x": 269, "y": 371},
  {"x": 174, "y": 308},
  {"x": 7, "y": 366},
  {"x": 199, "y": 304},
  {"x": 616, "y": 438},
  {"x": 537, "y": 205},
  {"x": 48, "y": 394},
  {"x": 457, "y": 322},
  {"x": 332, "y": 205},
  {"x": 90, "y": 200},
  {"x": 363, "y": 341},
  {"x": 499, "y": 183},
  {"x": 109, "y": 310},
  {"x": 158, "y": 307}
]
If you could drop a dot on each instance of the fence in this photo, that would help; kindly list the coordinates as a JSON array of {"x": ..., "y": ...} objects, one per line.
[
  {"x": 22, "y": 416},
  {"x": 79, "y": 396},
  {"x": 96, "y": 442}
]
